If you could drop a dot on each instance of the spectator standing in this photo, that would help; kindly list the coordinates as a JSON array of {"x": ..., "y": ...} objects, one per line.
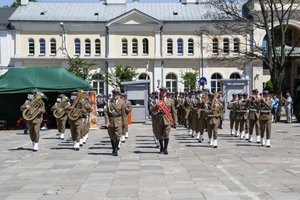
[
  {"x": 288, "y": 107},
  {"x": 275, "y": 104}
]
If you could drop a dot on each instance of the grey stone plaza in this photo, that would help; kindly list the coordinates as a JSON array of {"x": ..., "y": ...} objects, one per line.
[{"x": 235, "y": 170}]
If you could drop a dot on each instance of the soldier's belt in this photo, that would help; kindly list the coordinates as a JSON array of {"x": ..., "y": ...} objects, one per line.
[
  {"x": 265, "y": 111},
  {"x": 243, "y": 111},
  {"x": 254, "y": 110},
  {"x": 212, "y": 116},
  {"x": 202, "y": 109},
  {"x": 229, "y": 109},
  {"x": 115, "y": 115}
]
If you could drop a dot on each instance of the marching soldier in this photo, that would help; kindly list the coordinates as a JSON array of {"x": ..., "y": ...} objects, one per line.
[
  {"x": 34, "y": 122},
  {"x": 127, "y": 111},
  {"x": 202, "y": 116},
  {"x": 153, "y": 111},
  {"x": 213, "y": 120},
  {"x": 243, "y": 116},
  {"x": 114, "y": 113},
  {"x": 60, "y": 114},
  {"x": 75, "y": 117},
  {"x": 253, "y": 106},
  {"x": 237, "y": 115},
  {"x": 87, "y": 109},
  {"x": 265, "y": 119},
  {"x": 223, "y": 105},
  {"x": 231, "y": 108},
  {"x": 166, "y": 117}
]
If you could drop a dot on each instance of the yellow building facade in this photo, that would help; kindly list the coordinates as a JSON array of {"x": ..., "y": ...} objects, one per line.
[{"x": 162, "y": 40}]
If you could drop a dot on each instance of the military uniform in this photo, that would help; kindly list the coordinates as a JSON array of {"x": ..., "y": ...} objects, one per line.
[
  {"x": 61, "y": 122},
  {"x": 87, "y": 109},
  {"x": 213, "y": 121},
  {"x": 223, "y": 106},
  {"x": 76, "y": 121},
  {"x": 154, "y": 113},
  {"x": 265, "y": 119},
  {"x": 253, "y": 106},
  {"x": 236, "y": 107},
  {"x": 34, "y": 125},
  {"x": 164, "y": 123},
  {"x": 243, "y": 116},
  {"x": 114, "y": 114},
  {"x": 202, "y": 115},
  {"x": 230, "y": 107},
  {"x": 127, "y": 111}
]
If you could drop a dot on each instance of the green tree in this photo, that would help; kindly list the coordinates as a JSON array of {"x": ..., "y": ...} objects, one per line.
[
  {"x": 269, "y": 86},
  {"x": 17, "y": 3},
  {"x": 189, "y": 79},
  {"x": 119, "y": 74},
  {"x": 80, "y": 68}
]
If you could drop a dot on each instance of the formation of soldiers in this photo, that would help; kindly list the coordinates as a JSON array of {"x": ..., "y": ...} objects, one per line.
[
  {"x": 200, "y": 111},
  {"x": 251, "y": 112},
  {"x": 197, "y": 111},
  {"x": 75, "y": 110}
]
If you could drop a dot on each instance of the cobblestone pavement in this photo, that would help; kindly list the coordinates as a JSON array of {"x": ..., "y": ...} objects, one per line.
[{"x": 235, "y": 170}]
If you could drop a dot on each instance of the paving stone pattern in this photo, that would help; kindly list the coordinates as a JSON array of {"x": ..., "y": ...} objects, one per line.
[{"x": 235, "y": 170}]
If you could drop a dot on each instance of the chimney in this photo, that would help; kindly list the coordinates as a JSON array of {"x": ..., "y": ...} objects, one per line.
[{"x": 24, "y": 2}]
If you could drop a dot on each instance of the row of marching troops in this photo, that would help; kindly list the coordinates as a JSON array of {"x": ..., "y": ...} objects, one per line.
[
  {"x": 197, "y": 112},
  {"x": 205, "y": 111},
  {"x": 76, "y": 110},
  {"x": 251, "y": 112}
]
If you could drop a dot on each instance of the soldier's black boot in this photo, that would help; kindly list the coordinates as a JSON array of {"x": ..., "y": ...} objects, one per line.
[
  {"x": 113, "y": 147},
  {"x": 220, "y": 126},
  {"x": 161, "y": 144},
  {"x": 116, "y": 147},
  {"x": 166, "y": 142}
]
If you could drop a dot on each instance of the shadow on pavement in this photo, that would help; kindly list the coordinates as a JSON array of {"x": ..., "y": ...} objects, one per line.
[
  {"x": 200, "y": 145},
  {"x": 100, "y": 147},
  {"x": 60, "y": 148},
  {"x": 98, "y": 154},
  {"x": 20, "y": 149},
  {"x": 146, "y": 152}
]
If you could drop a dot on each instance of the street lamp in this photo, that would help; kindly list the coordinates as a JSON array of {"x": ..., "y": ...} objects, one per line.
[{"x": 64, "y": 49}]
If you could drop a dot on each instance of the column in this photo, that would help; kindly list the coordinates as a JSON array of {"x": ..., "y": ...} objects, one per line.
[
  {"x": 110, "y": 66},
  {"x": 158, "y": 74},
  {"x": 111, "y": 44},
  {"x": 158, "y": 43},
  {"x": 18, "y": 43}
]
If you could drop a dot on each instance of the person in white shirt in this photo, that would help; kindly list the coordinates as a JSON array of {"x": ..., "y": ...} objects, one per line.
[{"x": 288, "y": 107}]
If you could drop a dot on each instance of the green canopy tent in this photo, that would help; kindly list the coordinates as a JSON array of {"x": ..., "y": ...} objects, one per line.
[{"x": 17, "y": 82}]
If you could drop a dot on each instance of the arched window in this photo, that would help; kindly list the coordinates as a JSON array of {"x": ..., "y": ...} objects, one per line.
[
  {"x": 145, "y": 46},
  {"x": 31, "y": 46},
  {"x": 87, "y": 44},
  {"x": 215, "y": 44},
  {"x": 171, "y": 82},
  {"x": 170, "y": 46},
  {"x": 53, "y": 46},
  {"x": 97, "y": 47},
  {"x": 144, "y": 76},
  {"x": 180, "y": 46},
  {"x": 42, "y": 46},
  {"x": 134, "y": 46},
  {"x": 124, "y": 46},
  {"x": 77, "y": 46},
  {"x": 215, "y": 82},
  {"x": 236, "y": 45},
  {"x": 226, "y": 45},
  {"x": 235, "y": 76},
  {"x": 191, "y": 46}
]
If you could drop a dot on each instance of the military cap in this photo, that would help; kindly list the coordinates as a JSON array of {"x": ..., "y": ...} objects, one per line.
[
  {"x": 240, "y": 94},
  {"x": 210, "y": 94},
  {"x": 245, "y": 94},
  {"x": 265, "y": 92},
  {"x": 255, "y": 90},
  {"x": 116, "y": 92},
  {"x": 234, "y": 94},
  {"x": 163, "y": 89}
]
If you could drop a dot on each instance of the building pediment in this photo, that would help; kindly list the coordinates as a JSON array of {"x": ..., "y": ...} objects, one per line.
[{"x": 134, "y": 17}]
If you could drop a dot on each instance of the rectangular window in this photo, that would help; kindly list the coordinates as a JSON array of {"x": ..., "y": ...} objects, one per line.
[
  {"x": 97, "y": 48},
  {"x": 31, "y": 48}
]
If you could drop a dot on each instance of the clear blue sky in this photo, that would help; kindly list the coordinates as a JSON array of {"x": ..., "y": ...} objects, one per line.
[{"x": 9, "y": 2}]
